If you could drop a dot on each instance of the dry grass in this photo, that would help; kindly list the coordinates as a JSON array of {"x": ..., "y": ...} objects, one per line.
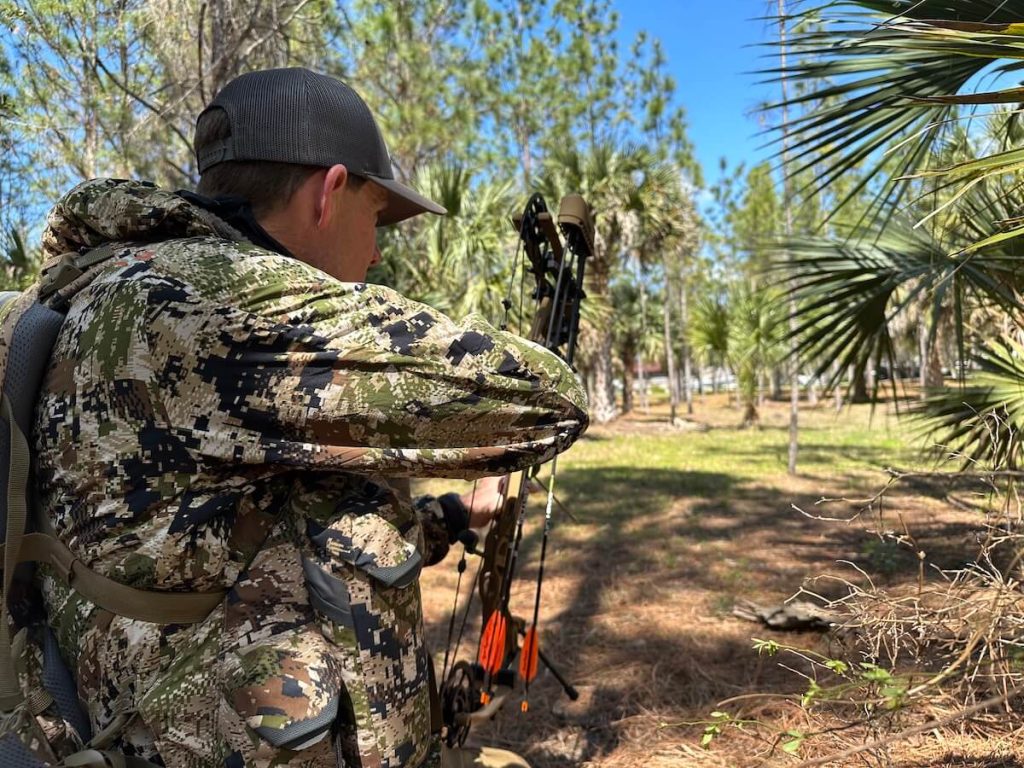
[{"x": 674, "y": 526}]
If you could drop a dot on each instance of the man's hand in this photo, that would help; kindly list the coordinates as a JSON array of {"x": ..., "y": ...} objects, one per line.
[{"x": 485, "y": 499}]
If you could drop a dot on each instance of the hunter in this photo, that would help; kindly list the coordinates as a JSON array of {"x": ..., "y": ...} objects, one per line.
[{"x": 230, "y": 406}]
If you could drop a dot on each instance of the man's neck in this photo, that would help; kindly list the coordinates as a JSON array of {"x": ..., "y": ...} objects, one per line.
[{"x": 237, "y": 212}]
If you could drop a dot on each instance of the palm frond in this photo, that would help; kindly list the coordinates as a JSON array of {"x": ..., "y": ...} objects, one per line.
[
  {"x": 981, "y": 425},
  {"x": 848, "y": 292},
  {"x": 870, "y": 79},
  {"x": 708, "y": 330}
]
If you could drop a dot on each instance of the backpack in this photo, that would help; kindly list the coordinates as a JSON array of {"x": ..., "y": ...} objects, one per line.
[{"x": 41, "y": 718}]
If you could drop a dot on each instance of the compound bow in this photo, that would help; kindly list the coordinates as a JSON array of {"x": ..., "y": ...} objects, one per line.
[{"x": 556, "y": 252}]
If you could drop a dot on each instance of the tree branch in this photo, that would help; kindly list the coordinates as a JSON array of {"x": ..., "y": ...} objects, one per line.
[{"x": 98, "y": 64}]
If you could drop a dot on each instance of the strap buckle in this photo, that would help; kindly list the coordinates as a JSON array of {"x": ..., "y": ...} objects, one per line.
[{"x": 58, "y": 275}]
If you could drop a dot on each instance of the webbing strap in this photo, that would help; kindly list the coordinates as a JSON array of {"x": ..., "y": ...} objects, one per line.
[
  {"x": 132, "y": 603},
  {"x": 64, "y": 270},
  {"x": 17, "y": 482}
]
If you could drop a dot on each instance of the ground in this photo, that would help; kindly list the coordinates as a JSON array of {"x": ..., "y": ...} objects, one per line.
[{"x": 673, "y": 526}]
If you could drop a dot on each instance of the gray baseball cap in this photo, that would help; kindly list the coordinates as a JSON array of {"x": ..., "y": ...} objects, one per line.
[{"x": 302, "y": 117}]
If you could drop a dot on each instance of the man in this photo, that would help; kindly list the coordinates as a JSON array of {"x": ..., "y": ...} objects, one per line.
[{"x": 230, "y": 407}]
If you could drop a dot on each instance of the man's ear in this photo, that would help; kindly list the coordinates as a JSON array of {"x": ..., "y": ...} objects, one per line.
[{"x": 327, "y": 204}]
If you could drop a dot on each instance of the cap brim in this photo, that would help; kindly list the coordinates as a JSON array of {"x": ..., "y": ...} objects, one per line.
[{"x": 403, "y": 203}]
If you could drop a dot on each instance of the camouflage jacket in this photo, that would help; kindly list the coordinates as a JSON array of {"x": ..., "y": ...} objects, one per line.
[{"x": 217, "y": 415}]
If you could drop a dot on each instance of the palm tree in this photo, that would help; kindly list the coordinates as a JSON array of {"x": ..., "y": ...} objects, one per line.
[
  {"x": 635, "y": 335},
  {"x": 755, "y": 341},
  {"x": 895, "y": 79},
  {"x": 709, "y": 333},
  {"x": 882, "y": 74},
  {"x": 460, "y": 263},
  {"x": 639, "y": 202},
  {"x": 851, "y": 290}
]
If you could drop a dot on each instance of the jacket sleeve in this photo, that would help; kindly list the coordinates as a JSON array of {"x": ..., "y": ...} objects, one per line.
[{"x": 301, "y": 370}]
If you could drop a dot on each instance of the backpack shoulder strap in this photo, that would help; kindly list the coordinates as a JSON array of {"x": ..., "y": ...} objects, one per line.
[{"x": 67, "y": 268}]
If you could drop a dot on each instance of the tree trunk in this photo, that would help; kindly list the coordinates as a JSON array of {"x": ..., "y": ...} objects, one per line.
[
  {"x": 642, "y": 376},
  {"x": 747, "y": 378},
  {"x": 670, "y": 360},
  {"x": 641, "y": 373},
  {"x": 684, "y": 314},
  {"x": 627, "y": 389},
  {"x": 602, "y": 396},
  {"x": 860, "y": 387},
  {"x": 933, "y": 368},
  {"x": 751, "y": 418},
  {"x": 776, "y": 383},
  {"x": 627, "y": 382},
  {"x": 812, "y": 391}
]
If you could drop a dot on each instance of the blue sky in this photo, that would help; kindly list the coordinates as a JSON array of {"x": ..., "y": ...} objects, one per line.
[{"x": 711, "y": 53}]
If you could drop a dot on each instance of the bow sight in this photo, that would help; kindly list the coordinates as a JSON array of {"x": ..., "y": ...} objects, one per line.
[
  {"x": 556, "y": 250},
  {"x": 558, "y": 281}
]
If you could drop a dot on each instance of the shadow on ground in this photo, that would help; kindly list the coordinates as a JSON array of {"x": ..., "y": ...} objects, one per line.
[{"x": 641, "y": 591}]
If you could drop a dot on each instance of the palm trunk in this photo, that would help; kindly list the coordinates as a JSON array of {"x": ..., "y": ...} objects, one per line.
[
  {"x": 628, "y": 359},
  {"x": 750, "y": 415},
  {"x": 860, "y": 387},
  {"x": 922, "y": 358},
  {"x": 933, "y": 378},
  {"x": 644, "y": 404},
  {"x": 746, "y": 393},
  {"x": 602, "y": 396}
]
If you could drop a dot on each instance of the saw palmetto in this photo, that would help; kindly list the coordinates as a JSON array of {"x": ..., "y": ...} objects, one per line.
[{"x": 879, "y": 84}]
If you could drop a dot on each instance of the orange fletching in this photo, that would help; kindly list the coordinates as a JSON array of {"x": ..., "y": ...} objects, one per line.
[
  {"x": 528, "y": 656},
  {"x": 492, "y": 643}
]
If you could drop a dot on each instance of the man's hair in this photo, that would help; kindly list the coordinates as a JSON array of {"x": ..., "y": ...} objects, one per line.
[{"x": 266, "y": 185}]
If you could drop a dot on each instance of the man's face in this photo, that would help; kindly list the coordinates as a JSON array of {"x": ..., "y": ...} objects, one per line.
[{"x": 352, "y": 234}]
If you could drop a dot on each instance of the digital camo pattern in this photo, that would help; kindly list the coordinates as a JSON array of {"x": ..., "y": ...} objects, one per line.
[{"x": 220, "y": 416}]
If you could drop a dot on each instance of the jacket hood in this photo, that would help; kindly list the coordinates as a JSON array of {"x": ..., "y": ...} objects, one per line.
[{"x": 114, "y": 210}]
